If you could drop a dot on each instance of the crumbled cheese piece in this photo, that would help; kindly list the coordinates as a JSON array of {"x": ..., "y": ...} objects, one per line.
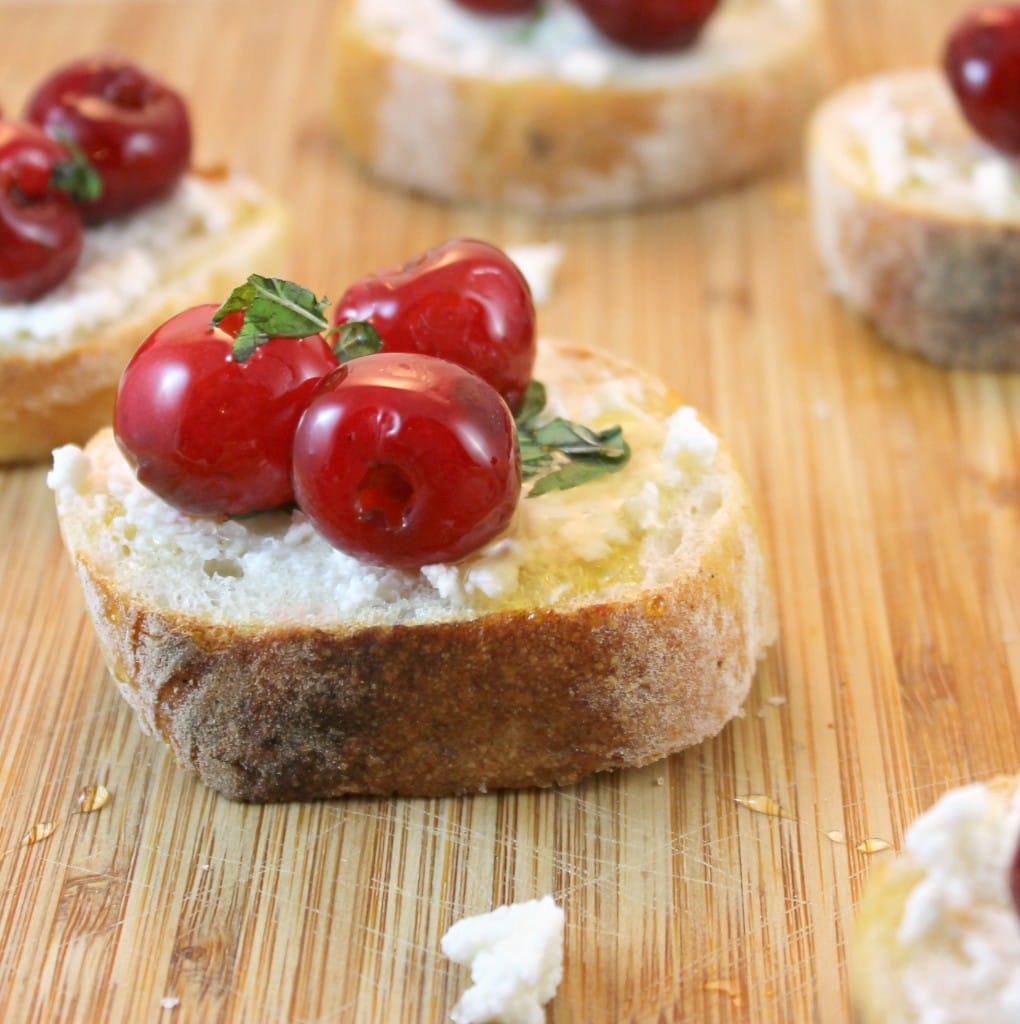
[
  {"x": 909, "y": 151},
  {"x": 686, "y": 433},
  {"x": 959, "y": 919},
  {"x": 538, "y": 262},
  {"x": 516, "y": 958}
]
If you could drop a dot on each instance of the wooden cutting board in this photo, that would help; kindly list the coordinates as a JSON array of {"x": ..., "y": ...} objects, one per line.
[{"x": 717, "y": 886}]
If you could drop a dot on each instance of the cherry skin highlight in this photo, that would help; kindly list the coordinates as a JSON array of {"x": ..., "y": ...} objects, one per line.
[
  {"x": 132, "y": 127},
  {"x": 982, "y": 62},
  {"x": 404, "y": 460},
  {"x": 209, "y": 435},
  {"x": 650, "y": 25},
  {"x": 40, "y": 228},
  {"x": 464, "y": 301}
]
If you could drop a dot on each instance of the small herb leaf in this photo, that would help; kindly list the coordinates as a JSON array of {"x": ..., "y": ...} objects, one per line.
[
  {"x": 77, "y": 176},
  {"x": 273, "y": 308},
  {"x": 572, "y": 474},
  {"x": 356, "y": 338},
  {"x": 559, "y": 454},
  {"x": 532, "y": 403}
]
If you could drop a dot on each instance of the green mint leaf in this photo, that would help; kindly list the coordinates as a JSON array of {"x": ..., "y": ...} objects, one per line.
[
  {"x": 532, "y": 403},
  {"x": 524, "y": 34},
  {"x": 573, "y": 474},
  {"x": 356, "y": 338},
  {"x": 285, "y": 310},
  {"x": 560, "y": 454},
  {"x": 273, "y": 308},
  {"x": 247, "y": 340},
  {"x": 240, "y": 298},
  {"x": 76, "y": 176}
]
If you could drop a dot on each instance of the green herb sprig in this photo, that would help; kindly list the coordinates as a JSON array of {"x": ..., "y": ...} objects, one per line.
[
  {"x": 275, "y": 308},
  {"x": 559, "y": 454},
  {"x": 556, "y": 454},
  {"x": 77, "y": 175}
]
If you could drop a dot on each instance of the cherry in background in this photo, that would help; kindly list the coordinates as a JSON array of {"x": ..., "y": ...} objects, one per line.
[
  {"x": 404, "y": 460},
  {"x": 208, "y": 434},
  {"x": 464, "y": 301},
  {"x": 982, "y": 62},
  {"x": 650, "y": 25},
  {"x": 132, "y": 127},
  {"x": 40, "y": 228}
]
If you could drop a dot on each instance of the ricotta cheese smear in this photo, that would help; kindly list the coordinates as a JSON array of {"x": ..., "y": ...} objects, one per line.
[
  {"x": 914, "y": 144},
  {"x": 959, "y": 921},
  {"x": 123, "y": 261},
  {"x": 277, "y": 566},
  {"x": 560, "y": 42}
]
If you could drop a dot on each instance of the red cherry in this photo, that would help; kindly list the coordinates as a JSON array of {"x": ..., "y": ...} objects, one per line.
[
  {"x": 464, "y": 301},
  {"x": 40, "y": 228},
  {"x": 982, "y": 62},
  {"x": 405, "y": 460},
  {"x": 650, "y": 25},
  {"x": 210, "y": 435},
  {"x": 133, "y": 128},
  {"x": 499, "y": 6}
]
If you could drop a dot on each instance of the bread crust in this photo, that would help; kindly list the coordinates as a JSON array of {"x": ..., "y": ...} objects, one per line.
[
  {"x": 519, "y": 696},
  {"x": 938, "y": 283},
  {"x": 49, "y": 398},
  {"x": 556, "y": 146}
]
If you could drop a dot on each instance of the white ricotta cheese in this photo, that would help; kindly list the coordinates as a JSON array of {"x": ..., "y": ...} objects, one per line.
[
  {"x": 516, "y": 958},
  {"x": 915, "y": 144},
  {"x": 276, "y": 565},
  {"x": 561, "y": 42},
  {"x": 959, "y": 921},
  {"x": 538, "y": 262},
  {"x": 122, "y": 261}
]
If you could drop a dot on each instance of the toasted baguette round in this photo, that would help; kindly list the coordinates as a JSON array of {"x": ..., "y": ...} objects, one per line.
[
  {"x": 61, "y": 356},
  {"x": 937, "y": 936},
  {"x": 611, "y": 625},
  {"x": 917, "y": 222},
  {"x": 549, "y": 116}
]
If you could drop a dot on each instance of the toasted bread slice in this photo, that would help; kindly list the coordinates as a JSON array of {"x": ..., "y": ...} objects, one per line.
[
  {"x": 937, "y": 935},
  {"x": 917, "y": 221},
  {"x": 547, "y": 115},
  {"x": 61, "y": 355},
  {"x": 609, "y": 626}
]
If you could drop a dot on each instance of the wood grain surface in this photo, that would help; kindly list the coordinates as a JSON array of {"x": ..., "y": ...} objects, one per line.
[{"x": 889, "y": 493}]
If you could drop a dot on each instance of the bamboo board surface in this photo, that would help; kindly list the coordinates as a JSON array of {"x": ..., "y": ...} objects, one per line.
[{"x": 889, "y": 493}]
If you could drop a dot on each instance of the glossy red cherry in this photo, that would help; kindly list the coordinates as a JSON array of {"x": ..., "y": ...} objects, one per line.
[
  {"x": 650, "y": 25},
  {"x": 208, "y": 434},
  {"x": 499, "y": 6},
  {"x": 40, "y": 228},
  {"x": 405, "y": 460},
  {"x": 982, "y": 62},
  {"x": 464, "y": 301},
  {"x": 132, "y": 127}
]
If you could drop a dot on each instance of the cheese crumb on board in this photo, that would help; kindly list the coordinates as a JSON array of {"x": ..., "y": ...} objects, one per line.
[{"x": 515, "y": 954}]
